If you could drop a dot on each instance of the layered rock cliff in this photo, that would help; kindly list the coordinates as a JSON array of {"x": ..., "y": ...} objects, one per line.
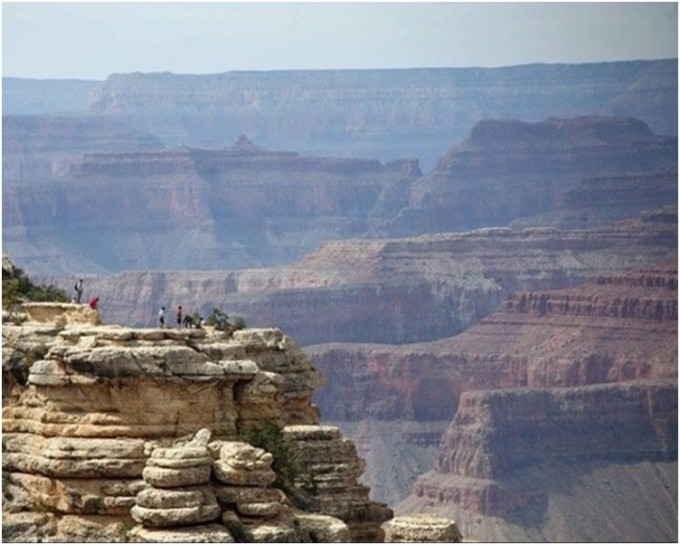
[
  {"x": 38, "y": 148},
  {"x": 512, "y": 457},
  {"x": 244, "y": 206},
  {"x": 384, "y": 114},
  {"x": 393, "y": 290},
  {"x": 193, "y": 209},
  {"x": 110, "y": 433},
  {"x": 506, "y": 170},
  {"x": 605, "y": 199},
  {"x": 559, "y": 355}
]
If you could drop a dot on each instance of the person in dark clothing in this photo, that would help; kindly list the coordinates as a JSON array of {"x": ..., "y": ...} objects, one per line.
[
  {"x": 178, "y": 316},
  {"x": 79, "y": 290}
]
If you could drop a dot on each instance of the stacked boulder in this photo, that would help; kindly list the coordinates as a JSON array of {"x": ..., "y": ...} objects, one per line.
[
  {"x": 180, "y": 493},
  {"x": 244, "y": 474}
]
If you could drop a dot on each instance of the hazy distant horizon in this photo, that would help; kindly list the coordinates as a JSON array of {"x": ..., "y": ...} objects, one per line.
[
  {"x": 91, "y": 41},
  {"x": 5, "y": 76}
]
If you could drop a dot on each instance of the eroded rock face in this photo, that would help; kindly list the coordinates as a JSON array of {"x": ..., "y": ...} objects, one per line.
[
  {"x": 40, "y": 147},
  {"x": 242, "y": 206},
  {"x": 333, "y": 462},
  {"x": 113, "y": 426},
  {"x": 519, "y": 465},
  {"x": 396, "y": 402},
  {"x": 382, "y": 113},
  {"x": 526, "y": 167},
  {"x": 396, "y": 290}
]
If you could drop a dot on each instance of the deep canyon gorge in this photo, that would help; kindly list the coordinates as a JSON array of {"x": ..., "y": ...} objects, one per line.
[{"x": 480, "y": 265}]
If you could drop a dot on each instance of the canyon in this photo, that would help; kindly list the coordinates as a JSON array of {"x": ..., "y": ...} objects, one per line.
[
  {"x": 374, "y": 114},
  {"x": 559, "y": 400},
  {"x": 392, "y": 290},
  {"x": 495, "y": 321},
  {"x": 244, "y": 206}
]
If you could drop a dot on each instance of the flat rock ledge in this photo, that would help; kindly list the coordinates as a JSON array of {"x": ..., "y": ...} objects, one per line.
[{"x": 422, "y": 527}]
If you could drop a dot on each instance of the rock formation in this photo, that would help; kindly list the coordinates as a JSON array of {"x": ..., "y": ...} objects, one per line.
[
  {"x": 419, "y": 528},
  {"x": 382, "y": 114},
  {"x": 561, "y": 382},
  {"x": 605, "y": 199},
  {"x": 244, "y": 206},
  {"x": 526, "y": 167},
  {"x": 107, "y": 426},
  {"x": 238, "y": 207},
  {"x": 509, "y": 454},
  {"x": 39, "y": 148},
  {"x": 394, "y": 290}
]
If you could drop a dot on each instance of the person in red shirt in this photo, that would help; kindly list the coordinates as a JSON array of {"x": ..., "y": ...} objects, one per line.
[{"x": 93, "y": 303}]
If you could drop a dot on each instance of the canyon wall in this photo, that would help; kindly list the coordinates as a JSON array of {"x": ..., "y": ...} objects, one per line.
[
  {"x": 527, "y": 167},
  {"x": 39, "y": 148},
  {"x": 244, "y": 206},
  {"x": 192, "y": 209},
  {"x": 391, "y": 290},
  {"x": 605, "y": 199},
  {"x": 568, "y": 382},
  {"x": 383, "y": 114}
]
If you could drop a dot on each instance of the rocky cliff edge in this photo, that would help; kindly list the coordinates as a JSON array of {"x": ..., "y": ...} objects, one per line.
[{"x": 118, "y": 434}]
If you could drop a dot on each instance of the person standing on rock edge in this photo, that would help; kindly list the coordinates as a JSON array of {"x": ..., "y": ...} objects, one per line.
[
  {"x": 178, "y": 316},
  {"x": 79, "y": 290},
  {"x": 161, "y": 317}
]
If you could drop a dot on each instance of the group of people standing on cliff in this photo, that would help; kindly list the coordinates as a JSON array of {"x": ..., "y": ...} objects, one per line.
[{"x": 181, "y": 319}]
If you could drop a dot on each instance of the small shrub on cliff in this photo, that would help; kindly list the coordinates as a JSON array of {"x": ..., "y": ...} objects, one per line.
[
  {"x": 17, "y": 287},
  {"x": 286, "y": 463},
  {"x": 239, "y": 323},
  {"x": 220, "y": 321}
]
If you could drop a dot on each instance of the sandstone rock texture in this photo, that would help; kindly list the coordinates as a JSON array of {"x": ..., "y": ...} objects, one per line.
[{"x": 106, "y": 427}]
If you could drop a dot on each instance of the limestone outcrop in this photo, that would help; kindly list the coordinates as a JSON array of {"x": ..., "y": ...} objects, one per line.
[{"x": 111, "y": 433}]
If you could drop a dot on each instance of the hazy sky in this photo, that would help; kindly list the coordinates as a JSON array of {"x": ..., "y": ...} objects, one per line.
[{"x": 90, "y": 40}]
